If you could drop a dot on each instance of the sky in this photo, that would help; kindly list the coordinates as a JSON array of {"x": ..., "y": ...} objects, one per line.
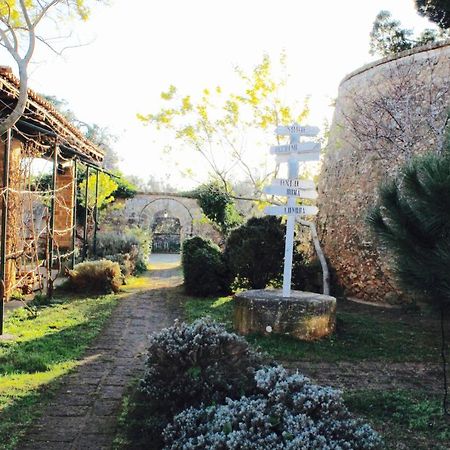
[{"x": 135, "y": 49}]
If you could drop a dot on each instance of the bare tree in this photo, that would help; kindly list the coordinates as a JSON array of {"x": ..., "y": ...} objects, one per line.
[
  {"x": 404, "y": 113},
  {"x": 19, "y": 24}
]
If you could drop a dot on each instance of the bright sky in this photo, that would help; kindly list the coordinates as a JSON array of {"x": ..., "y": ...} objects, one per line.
[{"x": 141, "y": 47}]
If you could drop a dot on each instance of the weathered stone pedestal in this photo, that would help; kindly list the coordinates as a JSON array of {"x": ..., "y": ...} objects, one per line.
[{"x": 304, "y": 315}]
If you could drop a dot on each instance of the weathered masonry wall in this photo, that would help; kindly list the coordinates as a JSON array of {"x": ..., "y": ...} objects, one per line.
[
  {"x": 64, "y": 200},
  {"x": 13, "y": 207},
  {"x": 385, "y": 113}
]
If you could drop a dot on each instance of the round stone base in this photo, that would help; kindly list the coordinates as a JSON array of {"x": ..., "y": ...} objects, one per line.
[{"x": 304, "y": 315}]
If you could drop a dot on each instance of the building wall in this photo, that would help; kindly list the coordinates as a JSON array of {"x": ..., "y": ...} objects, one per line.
[
  {"x": 12, "y": 237},
  {"x": 385, "y": 114},
  {"x": 64, "y": 200}
]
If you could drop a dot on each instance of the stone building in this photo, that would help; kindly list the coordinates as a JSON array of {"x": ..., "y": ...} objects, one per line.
[
  {"x": 386, "y": 112},
  {"x": 42, "y": 132}
]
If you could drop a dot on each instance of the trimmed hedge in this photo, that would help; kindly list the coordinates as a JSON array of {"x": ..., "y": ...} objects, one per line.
[
  {"x": 204, "y": 269},
  {"x": 254, "y": 252}
]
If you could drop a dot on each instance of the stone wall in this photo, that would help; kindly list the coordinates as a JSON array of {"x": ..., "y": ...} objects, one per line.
[
  {"x": 385, "y": 113},
  {"x": 64, "y": 201},
  {"x": 143, "y": 209},
  {"x": 12, "y": 236}
]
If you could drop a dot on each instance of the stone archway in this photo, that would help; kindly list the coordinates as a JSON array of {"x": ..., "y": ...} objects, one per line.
[{"x": 166, "y": 232}]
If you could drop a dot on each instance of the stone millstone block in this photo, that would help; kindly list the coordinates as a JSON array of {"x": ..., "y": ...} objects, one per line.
[{"x": 304, "y": 315}]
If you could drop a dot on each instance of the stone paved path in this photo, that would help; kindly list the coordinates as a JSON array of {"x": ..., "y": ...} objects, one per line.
[{"x": 83, "y": 413}]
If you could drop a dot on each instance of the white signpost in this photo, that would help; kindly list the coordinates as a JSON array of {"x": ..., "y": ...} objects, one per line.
[
  {"x": 298, "y": 210},
  {"x": 301, "y": 147},
  {"x": 295, "y": 183},
  {"x": 292, "y": 187},
  {"x": 290, "y": 191}
]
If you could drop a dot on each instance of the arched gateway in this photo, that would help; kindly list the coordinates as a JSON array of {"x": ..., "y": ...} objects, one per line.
[{"x": 170, "y": 216}]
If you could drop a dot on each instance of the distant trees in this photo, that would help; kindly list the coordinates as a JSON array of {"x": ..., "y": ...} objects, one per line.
[
  {"x": 437, "y": 11},
  {"x": 388, "y": 37},
  {"x": 19, "y": 23}
]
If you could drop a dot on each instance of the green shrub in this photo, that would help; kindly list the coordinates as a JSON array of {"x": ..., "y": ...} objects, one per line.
[
  {"x": 254, "y": 252},
  {"x": 205, "y": 272},
  {"x": 129, "y": 248},
  {"x": 101, "y": 277},
  {"x": 192, "y": 364},
  {"x": 306, "y": 275},
  {"x": 218, "y": 206}
]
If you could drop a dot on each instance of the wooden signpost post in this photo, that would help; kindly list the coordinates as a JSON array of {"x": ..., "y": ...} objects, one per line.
[{"x": 293, "y": 188}]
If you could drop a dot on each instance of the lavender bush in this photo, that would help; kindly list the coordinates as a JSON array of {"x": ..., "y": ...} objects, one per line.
[
  {"x": 286, "y": 412},
  {"x": 189, "y": 365}
]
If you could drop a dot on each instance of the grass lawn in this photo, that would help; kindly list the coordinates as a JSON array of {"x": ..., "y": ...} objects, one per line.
[
  {"x": 363, "y": 333},
  {"x": 47, "y": 345}
]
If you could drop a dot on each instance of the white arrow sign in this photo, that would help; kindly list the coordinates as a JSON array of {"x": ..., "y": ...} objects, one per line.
[
  {"x": 291, "y": 210},
  {"x": 294, "y": 183},
  {"x": 297, "y": 129},
  {"x": 303, "y": 157},
  {"x": 290, "y": 192},
  {"x": 295, "y": 148}
]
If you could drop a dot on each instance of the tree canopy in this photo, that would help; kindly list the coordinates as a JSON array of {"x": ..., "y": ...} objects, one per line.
[
  {"x": 20, "y": 21},
  {"x": 218, "y": 206},
  {"x": 219, "y": 125},
  {"x": 388, "y": 37},
  {"x": 106, "y": 187},
  {"x": 437, "y": 11}
]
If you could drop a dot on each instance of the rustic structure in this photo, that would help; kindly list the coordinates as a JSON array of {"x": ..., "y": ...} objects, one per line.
[
  {"x": 42, "y": 132},
  {"x": 146, "y": 210},
  {"x": 386, "y": 113}
]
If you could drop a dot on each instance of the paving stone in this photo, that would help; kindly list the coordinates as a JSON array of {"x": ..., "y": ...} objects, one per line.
[
  {"x": 83, "y": 414},
  {"x": 106, "y": 407}
]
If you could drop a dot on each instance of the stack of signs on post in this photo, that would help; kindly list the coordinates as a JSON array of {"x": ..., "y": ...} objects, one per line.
[{"x": 294, "y": 188}]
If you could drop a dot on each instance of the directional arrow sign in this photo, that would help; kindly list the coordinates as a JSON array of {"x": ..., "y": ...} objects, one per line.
[
  {"x": 291, "y": 210},
  {"x": 302, "y": 157},
  {"x": 297, "y": 129},
  {"x": 295, "y": 148},
  {"x": 290, "y": 192},
  {"x": 294, "y": 183}
]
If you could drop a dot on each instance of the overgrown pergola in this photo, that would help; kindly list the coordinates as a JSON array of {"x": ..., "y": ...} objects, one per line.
[{"x": 29, "y": 243}]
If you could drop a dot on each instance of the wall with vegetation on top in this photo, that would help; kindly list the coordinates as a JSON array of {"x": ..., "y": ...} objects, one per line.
[{"x": 386, "y": 113}]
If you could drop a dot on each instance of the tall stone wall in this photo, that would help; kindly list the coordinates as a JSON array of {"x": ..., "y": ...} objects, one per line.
[{"x": 385, "y": 114}]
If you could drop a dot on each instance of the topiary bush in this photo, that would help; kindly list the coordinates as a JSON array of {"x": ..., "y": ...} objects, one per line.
[
  {"x": 192, "y": 364},
  {"x": 102, "y": 277},
  {"x": 286, "y": 412},
  {"x": 254, "y": 252},
  {"x": 204, "y": 269}
]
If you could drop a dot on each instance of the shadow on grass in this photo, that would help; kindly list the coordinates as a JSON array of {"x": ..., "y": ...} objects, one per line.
[
  {"x": 38, "y": 355},
  {"x": 47, "y": 347},
  {"x": 362, "y": 333}
]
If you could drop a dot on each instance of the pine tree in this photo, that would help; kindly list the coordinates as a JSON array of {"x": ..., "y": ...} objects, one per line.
[
  {"x": 437, "y": 11},
  {"x": 412, "y": 219}
]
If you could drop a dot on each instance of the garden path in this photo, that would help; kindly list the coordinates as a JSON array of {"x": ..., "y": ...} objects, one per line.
[{"x": 83, "y": 413}]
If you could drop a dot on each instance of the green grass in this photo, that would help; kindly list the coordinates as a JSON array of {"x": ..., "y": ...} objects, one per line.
[
  {"x": 403, "y": 417},
  {"x": 363, "y": 333},
  {"x": 47, "y": 345}
]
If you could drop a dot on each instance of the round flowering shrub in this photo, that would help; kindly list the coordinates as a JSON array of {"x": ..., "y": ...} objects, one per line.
[
  {"x": 192, "y": 364},
  {"x": 286, "y": 412}
]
